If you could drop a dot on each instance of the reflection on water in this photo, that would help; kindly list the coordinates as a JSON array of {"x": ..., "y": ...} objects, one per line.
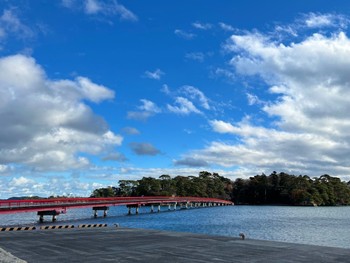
[{"x": 327, "y": 226}]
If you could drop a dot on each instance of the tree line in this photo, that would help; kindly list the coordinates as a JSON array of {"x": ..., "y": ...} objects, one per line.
[{"x": 276, "y": 188}]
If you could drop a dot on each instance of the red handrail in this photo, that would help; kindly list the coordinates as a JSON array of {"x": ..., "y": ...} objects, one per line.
[{"x": 32, "y": 205}]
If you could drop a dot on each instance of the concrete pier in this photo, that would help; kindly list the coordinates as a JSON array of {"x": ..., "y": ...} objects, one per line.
[
  {"x": 111, "y": 244},
  {"x": 98, "y": 208},
  {"x": 53, "y": 213}
]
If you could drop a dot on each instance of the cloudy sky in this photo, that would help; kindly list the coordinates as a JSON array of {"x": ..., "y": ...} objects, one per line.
[{"x": 95, "y": 91}]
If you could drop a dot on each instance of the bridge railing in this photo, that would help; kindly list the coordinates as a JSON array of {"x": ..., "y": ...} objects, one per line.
[{"x": 33, "y": 204}]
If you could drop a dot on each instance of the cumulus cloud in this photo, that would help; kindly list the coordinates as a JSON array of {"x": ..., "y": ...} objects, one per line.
[
  {"x": 83, "y": 88},
  {"x": 308, "y": 112},
  {"x": 144, "y": 149},
  {"x": 45, "y": 123},
  {"x": 49, "y": 186},
  {"x": 157, "y": 74}
]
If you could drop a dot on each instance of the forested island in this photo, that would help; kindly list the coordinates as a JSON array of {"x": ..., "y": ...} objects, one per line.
[{"x": 274, "y": 189}]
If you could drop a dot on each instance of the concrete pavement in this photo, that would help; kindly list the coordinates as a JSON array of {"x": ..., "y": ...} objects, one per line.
[{"x": 110, "y": 244}]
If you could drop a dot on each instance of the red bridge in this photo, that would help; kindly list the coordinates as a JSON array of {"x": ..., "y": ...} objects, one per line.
[{"x": 58, "y": 206}]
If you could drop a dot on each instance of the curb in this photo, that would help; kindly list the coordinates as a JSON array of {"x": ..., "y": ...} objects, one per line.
[
  {"x": 17, "y": 228},
  {"x": 56, "y": 227},
  {"x": 53, "y": 227},
  {"x": 92, "y": 225}
]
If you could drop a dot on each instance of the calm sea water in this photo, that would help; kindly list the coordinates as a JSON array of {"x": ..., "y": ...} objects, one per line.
[{"x": 327, "y": 226}]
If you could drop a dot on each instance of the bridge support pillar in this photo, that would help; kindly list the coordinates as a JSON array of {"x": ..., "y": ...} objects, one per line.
[
  {"x": 136, "y": 206},
  {"x": 169, "y": 207},
  {"x": 158, "y": 208},
  {"x": 175, "y": 206},
  {"x": 103, "y": 208},
  {"x": 152, "y": 208},
  {"x": 53, "y": 213}
]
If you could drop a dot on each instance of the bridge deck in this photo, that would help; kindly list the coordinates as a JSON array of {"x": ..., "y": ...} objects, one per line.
[{"x": 34, "y": 205}]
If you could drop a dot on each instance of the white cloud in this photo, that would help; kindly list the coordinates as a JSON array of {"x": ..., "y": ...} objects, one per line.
[
  {"x": 10, "y": 24},
  {"x": 195, "y": 94},
  {"x": 149, "y": 106},
  {"x": 221, "y": 72},
  {"x": 308, "y": 130},
  {"x": 139, "y": 115},
  {"x": 186, "y": 98},
  {"x": 165, "y": 89},
  {"x": 202, "y": 26},
  {"x": 313, "y": 20},
  {"x": 125, "y": 14},
  {"x": 21, "y": 182},
  {"x": 99, "y": 7},
  {"x": 253, "y": 99},
  {"x": 184, "y": 34},
  {"x": 44, "y": 187},
  {"x": 183, "y": 106},
  {"x": 45, "y": 123},
  {"x": 68, "y": 3},
  {"x": 3, "y": 168},
  {"x": 226, "y": 27},
  {"x": 157, "y": 74},
  {"x": 197, "y": 56},
  {"x": 83, "y": 88},
  {"x": 92, "y": 7},
  {"x": 146, "y": 110}
]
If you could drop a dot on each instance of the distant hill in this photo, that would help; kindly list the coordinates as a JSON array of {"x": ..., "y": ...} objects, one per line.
[{"x": 24, "y": 197}]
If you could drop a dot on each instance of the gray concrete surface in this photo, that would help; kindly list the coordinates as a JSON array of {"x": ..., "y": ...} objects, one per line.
[
  {"x": 138, "y": 245},
  {"x": 6, "y": 257}
]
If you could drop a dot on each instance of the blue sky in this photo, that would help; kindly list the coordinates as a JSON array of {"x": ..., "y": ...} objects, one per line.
[{"x": 95, "y": 91}]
